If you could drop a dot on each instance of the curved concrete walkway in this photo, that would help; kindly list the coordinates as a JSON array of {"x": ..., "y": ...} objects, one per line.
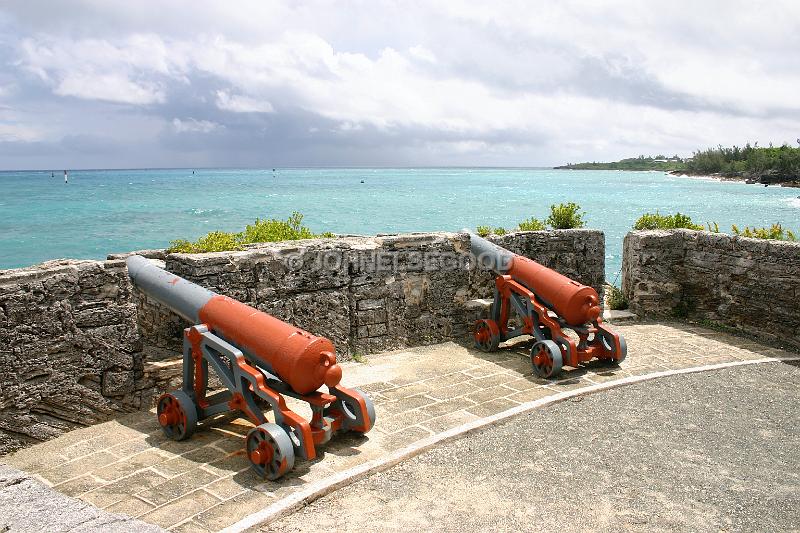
[
  {"x": 422, "y": 395},
  {"x": 712, "y": 451}
]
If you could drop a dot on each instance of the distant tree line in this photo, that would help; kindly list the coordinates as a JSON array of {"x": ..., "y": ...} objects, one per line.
[
  {"x": 752, "y": 160},
  {"x": 767, "y": 164},
  {"x": 658, "y": 162}
]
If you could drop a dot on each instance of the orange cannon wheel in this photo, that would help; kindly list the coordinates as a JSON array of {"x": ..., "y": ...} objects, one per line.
[
  {"x": 487, "y": 335},
  {"x": 546, "y": 359},
  {"x": 177, "y": 415},
  {"x": 270, "y": 451}
]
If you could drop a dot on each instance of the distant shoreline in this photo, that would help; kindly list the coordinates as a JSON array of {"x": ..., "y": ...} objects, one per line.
[{"x": 765, "y": 179}]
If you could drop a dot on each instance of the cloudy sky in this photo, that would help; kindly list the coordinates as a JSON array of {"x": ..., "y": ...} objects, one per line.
[{"x": 191, "y": 83}]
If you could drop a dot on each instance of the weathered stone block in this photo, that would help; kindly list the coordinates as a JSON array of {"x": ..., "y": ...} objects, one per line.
[
  {"x": 117, "y": 382},
  {"x": 746, "y": 283}
]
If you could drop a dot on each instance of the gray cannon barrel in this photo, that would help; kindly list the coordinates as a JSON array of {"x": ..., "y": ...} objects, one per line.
[
  {"x": 489, "y": 255},
  {"x": 183, "y": 297}
]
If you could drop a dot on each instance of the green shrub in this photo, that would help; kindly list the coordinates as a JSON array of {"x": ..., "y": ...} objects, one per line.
[
  {"x": 532, "y": 224},
  {"x": 776, "y": 232},
  {"x": 565, "y": 216},
  {"x": 268, "y": 230},
  {"x": 483, "y": 231},
  {"x": 215, "y": 241},
  {"x": 659, "y": 221},
  {"x": 616, "y": 299},
  {"x": 713, "y": 227},
  {"x": 273, "y": 230},
  {"x": 562, "y": 216}
]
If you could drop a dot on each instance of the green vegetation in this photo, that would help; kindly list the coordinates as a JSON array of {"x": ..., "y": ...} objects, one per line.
[
  {"x": 783, "y": 161},
  {"x": 360, "y": 358},
  {"x": 616, "y": 299},
  {"x": 659, "y": 221},
  {"x": 566, "y": 216},
  {"x": 642, "y": 162},
  {"x": 267, "y": 230},
  {"x": 532, "y": 224},
  {"x": 763, "y": 164},
  {"x": 719, "y": 326},
  {"x": 562, "y": 216},
  {"x": 776, "y": 232}
]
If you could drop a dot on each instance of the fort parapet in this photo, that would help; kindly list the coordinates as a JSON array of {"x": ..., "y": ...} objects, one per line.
[
  {"x": 80, "y": 344},
  {"x": 752, "y": 285}
]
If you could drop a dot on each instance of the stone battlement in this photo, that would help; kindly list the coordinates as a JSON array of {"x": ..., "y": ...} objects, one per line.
[{"x": 81, "y": 344}]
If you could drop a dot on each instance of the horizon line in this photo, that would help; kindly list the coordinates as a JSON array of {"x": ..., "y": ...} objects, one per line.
[{"x": 287, "y": 167}]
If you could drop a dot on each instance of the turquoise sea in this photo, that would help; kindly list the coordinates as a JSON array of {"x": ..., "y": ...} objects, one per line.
[{"x": 104, "y": 211}]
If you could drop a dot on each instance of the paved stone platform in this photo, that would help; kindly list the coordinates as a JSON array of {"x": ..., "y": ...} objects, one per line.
[{"x": 204, "y": 484}]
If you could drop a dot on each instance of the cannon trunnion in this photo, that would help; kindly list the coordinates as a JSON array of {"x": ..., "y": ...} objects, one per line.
[
  {"x": 259, "y": 360},
  {"x": 545, "y": 304}
]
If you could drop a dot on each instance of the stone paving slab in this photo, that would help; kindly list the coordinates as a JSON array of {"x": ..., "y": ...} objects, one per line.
[
  {"x": 205, "y": 484},
  {"x": 55, "y": 512}
]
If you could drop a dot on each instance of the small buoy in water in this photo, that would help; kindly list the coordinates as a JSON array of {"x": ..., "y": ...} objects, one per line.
[{"x": 362, "y": 181}]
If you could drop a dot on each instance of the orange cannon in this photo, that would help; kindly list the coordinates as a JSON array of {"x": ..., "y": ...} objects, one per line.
[
  {"x": 259, "y": 360},
  {"x": 545, "y": 305}
]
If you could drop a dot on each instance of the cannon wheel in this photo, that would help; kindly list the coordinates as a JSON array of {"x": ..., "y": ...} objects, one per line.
[
  {"x": 177, "y": 415},
  {"x": 546, "y": 359},
  {"x": 270, "y": 451},
  {"x": 608, "y": 344},
  {"x": 487, "y": 335},
  {"x": 350, "y": 411}
]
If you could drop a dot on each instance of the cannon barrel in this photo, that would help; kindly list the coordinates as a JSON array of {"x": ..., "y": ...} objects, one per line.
[
  {"x": 304, "y": 361},
  {"x": 572, "y": 301}
]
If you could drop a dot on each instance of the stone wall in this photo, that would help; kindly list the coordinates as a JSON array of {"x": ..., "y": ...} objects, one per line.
[
  {"x": 749, "y": 284},
  {"x": 79, "y": 344},
  {"x": 70, "y": 352},
  {"x": 366, "y": 294}
]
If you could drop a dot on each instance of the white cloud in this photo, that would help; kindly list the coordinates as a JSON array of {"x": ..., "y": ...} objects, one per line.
[
  {"x": 242, "y": 104},
  {"x": 191, "y": 125},
  {"x": 108, "y": 87},
  {"x": 18, "y": 132},
  {"x": 523, "y": 83}
]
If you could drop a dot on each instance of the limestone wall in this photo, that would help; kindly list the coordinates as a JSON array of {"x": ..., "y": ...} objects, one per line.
[
  {"x": 750, "y": 284},
  {"x": 78, "y": 343},
  {"x": 70, "y": 352},
  {"x": 366, "y": 294}
]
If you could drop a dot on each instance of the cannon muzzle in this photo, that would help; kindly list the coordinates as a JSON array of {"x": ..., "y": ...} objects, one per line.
[{"x": 489, "y": 255}]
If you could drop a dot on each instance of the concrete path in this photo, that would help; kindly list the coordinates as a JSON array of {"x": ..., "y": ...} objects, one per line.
[
  {"x": 714, "y": 451},
  {"x": 205, "y": 483},
  {"x": 29, "y": 506}
]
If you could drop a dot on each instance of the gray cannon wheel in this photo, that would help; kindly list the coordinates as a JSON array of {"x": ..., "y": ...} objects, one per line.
[
  {"x": 616, "y": 358},
  {"x": 177, "y": 415},
  {"x": 270, "y": 451},
  {"x": 546, "y": 358},
  {"x": 349, "y": 408}
]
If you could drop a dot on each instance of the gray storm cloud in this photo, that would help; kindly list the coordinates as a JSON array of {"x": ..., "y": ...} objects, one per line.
[{"x": 136, "y": 84}]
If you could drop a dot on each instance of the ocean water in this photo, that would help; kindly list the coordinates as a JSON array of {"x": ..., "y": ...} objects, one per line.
[{"x": 104, "y": 211}]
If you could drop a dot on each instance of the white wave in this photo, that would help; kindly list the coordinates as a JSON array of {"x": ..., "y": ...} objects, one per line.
[{"x": 793, "y": 202}]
